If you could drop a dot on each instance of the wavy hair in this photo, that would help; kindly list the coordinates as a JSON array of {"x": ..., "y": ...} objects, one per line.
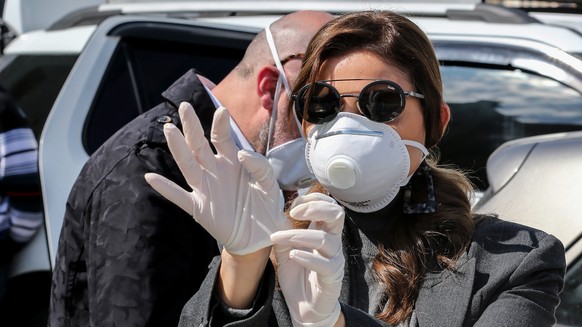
[{"x": 418, "y": 243}]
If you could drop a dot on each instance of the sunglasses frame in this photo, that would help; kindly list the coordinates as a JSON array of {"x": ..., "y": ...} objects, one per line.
[{"x": 299, "y": 106}]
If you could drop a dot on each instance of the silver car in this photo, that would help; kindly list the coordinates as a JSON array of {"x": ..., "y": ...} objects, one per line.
[
  {"x": 537, "y": 181},
  {"x": 506, "y": 74}
]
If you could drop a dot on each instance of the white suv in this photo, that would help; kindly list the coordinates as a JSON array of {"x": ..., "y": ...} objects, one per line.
[{"x": 506, "y": 76}]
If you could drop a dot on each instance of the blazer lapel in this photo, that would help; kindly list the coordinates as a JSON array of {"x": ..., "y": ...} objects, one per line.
[{"x": 444, "y": 297}]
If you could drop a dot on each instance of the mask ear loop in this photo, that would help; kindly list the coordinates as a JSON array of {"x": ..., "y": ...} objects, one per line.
[
  {"x": 419, "y": 146},
  {"x": 422, "y": 149},
  {"x": 297, "y": 121},
  {"x": 273, "y": 115},
  {"x": 282, "y": 78},
  {"x": 275, "y": 54}
]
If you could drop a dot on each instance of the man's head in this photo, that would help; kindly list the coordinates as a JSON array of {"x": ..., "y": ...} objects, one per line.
[
  {"x": 256, "y": 93},
  {"x": 249, "y": 91}
]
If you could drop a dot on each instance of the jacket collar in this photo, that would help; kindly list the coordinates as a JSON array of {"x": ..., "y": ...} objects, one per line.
[{"x": 187, "y": 88}]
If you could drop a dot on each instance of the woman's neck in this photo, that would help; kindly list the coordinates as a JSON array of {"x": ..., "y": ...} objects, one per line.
[{"x": 376, "y": 225}]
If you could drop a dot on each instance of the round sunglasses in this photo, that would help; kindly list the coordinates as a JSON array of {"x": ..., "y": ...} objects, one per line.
[{"x": 381, "y": 101}]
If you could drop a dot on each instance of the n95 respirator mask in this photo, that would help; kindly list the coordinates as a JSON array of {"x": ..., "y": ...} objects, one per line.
[{"x": 360, "y": 162}]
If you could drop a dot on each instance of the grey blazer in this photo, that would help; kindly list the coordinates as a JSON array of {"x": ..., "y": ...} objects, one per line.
[{"x": 510, "y": 276}]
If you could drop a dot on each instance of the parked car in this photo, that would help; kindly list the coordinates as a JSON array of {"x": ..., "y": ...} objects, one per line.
[
  {"x": 506, "y": 75},
  {"x": 536, "y": 181}
]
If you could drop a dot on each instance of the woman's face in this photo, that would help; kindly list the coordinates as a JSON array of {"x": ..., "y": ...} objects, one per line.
[{"x": 368, "y": 65}]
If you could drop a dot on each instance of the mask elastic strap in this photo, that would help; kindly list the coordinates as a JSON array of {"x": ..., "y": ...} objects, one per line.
[
  {"x": 275, "y": 54},
  {"x": 297, "y": 121},
  {"x": 282, "y": 79},
  {"x": 417, "y": 145},
  {"x": 422, "y": 149},
  {"x": 273, "y": 115}
]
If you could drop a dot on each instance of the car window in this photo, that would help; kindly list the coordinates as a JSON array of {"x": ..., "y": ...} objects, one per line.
[
  {"x": 35, "y": 81},
  {"x": 491, "y": 105},
  {"x": 139, "y": 72},
  {"x": 568, "y": 313}
]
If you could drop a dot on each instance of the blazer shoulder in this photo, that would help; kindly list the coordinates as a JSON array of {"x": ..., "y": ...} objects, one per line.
[
  {"x": 491, "y": 229},
  {"x": 496, "y": 239}
]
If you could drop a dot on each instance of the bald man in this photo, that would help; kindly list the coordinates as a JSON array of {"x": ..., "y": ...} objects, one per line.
[{"x": 126, "y": 255}]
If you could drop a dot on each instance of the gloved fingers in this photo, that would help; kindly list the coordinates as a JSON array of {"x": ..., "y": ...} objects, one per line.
[
  {"x": 323, "y": 214},
  {"x": 282, "y": 253},
  {"x": 183, "y": 156},
  {"x": 171, "y": 191},
  {"x": 312, "y": 197},
  {"x": 329, "y": 270},
  {"x": 220, "y": 135},
  {"x": 299, "y": 238},
  {"x": 194, "y": 136},
  {"x": 327, "y": 319},
  {"x": 326, "y": 244},
  {"x": 260, "y": 170}
]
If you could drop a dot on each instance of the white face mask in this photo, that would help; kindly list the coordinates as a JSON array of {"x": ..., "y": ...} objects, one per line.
[
  {"x": 288, "y": 159},
  {"x": 360, "y": 162}
]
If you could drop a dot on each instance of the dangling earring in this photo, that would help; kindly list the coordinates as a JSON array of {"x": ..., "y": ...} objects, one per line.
[{"x": 430, "y": 205}]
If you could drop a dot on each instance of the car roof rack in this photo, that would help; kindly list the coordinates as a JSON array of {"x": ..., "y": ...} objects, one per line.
[
  {"x": 480, "y": 12},
  {"x": 492, "y": 14},
  {"x": 82, "y": 17}
]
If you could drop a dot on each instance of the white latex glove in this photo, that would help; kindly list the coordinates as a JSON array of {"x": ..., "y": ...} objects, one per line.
[
  {"x": 235, "y": 196},
  {"x": 311, "y": 261}
]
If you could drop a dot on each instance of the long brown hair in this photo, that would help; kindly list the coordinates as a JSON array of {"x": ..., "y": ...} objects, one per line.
[{"x": 420, "y": 242}]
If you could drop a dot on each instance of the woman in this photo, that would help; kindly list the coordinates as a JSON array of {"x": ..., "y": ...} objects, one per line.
[{"x": 409, "y": 251}]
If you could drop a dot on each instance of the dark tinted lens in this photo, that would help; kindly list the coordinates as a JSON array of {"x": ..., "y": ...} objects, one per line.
[
  {"x": 381, "y": 101},
  {"x": 321, "y": 100}
]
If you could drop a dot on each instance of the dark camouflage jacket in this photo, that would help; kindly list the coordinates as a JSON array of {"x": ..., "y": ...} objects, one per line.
[{"x": 126, "y": 255}]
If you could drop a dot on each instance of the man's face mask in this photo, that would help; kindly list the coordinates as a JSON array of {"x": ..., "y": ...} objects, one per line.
[{"x": 288, "y": 159}]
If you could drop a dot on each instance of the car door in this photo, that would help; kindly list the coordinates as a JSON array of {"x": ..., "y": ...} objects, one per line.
[{"x": 501, "y": 90}]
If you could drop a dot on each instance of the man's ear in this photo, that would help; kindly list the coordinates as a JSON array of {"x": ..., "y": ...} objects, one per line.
[
  {"x": 267, "y": 85},
  {"x": 445, "y": 117}
]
